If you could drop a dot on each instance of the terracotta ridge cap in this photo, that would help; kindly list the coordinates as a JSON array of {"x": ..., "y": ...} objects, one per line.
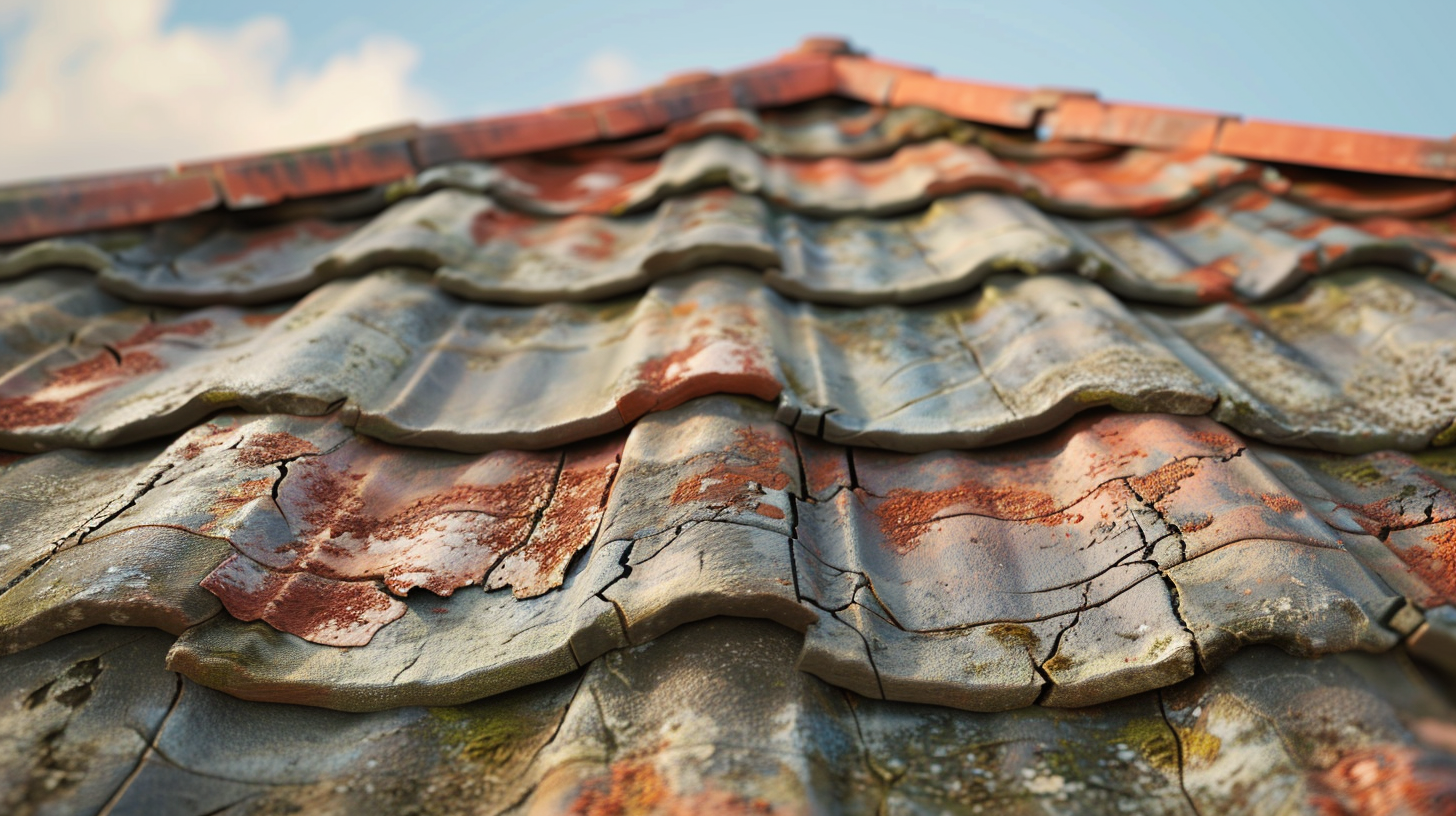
[{"x": 822, "y": 66}]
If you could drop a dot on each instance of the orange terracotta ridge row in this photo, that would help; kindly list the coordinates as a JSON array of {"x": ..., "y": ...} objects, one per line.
[{"x": 820, "y": 67}]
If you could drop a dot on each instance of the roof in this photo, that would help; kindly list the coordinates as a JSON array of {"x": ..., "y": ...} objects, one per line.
[
  {"x": 691, "y": 105},
  {"x": 818, "y": 436}
]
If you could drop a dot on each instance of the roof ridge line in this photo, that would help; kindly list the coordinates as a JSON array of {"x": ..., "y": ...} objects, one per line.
[{"x": 821, "y": 66}]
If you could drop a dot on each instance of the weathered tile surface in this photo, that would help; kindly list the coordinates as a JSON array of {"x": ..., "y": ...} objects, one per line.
[
  {"x": 1242, "y": 243},
  {"x": 827, "y": 128},
  {"x": 1318, "y": 368},
  {"x": 1017, "y": 419},
  {"x": 1137, "y": 181},
  {"x": 1113, "y": 557},
  {"x": 714, "y": 718}
]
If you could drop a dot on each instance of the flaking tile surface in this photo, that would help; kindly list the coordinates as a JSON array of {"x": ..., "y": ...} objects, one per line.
[
  {"x": 467, "y": 478},
  {"x": 1106, "y": 560}
]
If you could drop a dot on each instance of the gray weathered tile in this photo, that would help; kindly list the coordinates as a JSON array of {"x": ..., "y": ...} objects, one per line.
[
  {"x": 714, "y": 718},
  {"x": 1087, "y": 566}
]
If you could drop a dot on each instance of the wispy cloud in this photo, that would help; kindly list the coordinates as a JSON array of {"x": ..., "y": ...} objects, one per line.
[
  {"x": 608, "y": 72},
  {"x": 105, "y": 85}
]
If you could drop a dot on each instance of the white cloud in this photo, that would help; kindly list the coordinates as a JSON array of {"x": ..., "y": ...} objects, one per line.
[
  {"x": 608, "y": 72},
  {"x": 93, "y": 85}
]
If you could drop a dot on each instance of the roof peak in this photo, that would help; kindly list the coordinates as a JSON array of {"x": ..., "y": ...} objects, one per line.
[{"x": 821, "y": 66}]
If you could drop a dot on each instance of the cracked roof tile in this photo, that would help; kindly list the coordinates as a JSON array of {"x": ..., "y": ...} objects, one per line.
[
  {"x": 1019, "y": 357},
  {"x": 1039, "y": 417},
  {"x": 1104, "y": 560},
  {"x": 715, "y": 717}
]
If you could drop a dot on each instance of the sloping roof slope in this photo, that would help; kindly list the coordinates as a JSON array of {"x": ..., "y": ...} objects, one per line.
[{"x": 1069, "y": 455}]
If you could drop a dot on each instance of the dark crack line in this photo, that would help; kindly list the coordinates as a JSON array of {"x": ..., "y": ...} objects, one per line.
[
  {"x": 981, "y": 369},
  {"x": 234, "y": 780},
  {"x": 624, "y": 561},
  {"x": 91, "y": 525},
  {"x": 276, "y": 489},
  {"x": 869, "y": 657},
  {"x": 870, "y": 765},
  {"x": 282, "y": 466},
  {"x": 1152, "y": 573},
  {"x": 1084, "y": 496},
  {"x": 865, "y": 583},
  {"x": 410, "y": 665},
  {"x": 1175, "y": 597},
  {"x": 27, "y": 572},
  {"x": 803, "y": 469},
  {"x": 1182, "y": 753},
  {"x": 151, "y": 749},
  {"x": 523, "y": 630},
  {"x": 87, "y": 527},
  {"x": 677, "y": 532},
  {"x": 1086, "y": 581},
  {"x": 792, "y": 544},
  {"x": 535, "y": 520},
  {"x": 530, "y": 764},
  {"x": 1040, "y": 665},
  {"x": 869, "y": 584},
  {"x": 823, "y": 419}
]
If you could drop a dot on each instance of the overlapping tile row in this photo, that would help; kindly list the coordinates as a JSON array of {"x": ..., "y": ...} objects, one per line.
[
  {"x": 1136, "y": 181},
  {"x": 1355, "y": 361},
  {"x": 1242, "y": 244},
  {"x": 1108, "y": 559},
  {"x": 1077, "y": 123},
  {"x": 822, "y": 129},
  {"x": 714, "y": 718},
  {"x": 1359, "y": 195}
]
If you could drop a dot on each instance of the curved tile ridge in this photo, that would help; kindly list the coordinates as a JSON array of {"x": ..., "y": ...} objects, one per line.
[
  {"x": 1241, "y": 244},
  {"x": 1356, "y": 361},
  {"x": 1138, "y": 181},
  {"x": 1245, "y": 244},
  {"x": 1105, "y": 560}
]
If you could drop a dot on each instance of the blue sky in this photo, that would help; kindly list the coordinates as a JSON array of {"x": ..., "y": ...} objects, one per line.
[
  {"x": 1382, "y": 65},
  {"x": 204, "y": 77}
]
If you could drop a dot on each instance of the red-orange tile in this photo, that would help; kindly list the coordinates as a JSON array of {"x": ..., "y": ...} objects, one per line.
[
  {"x": 659, "y": 107},
  {"x": 785, "y": 81},
  {"x": 505, "y": 136},
  {"x": 1090, "y": 120},
  {"x": 72, "y": 205},
  {"x": 974, "y": 101},
  {"x": 824, "y": 44},
  {"x": 1360, "y": 195},
  {"x": 256, "y": 181},
  {"x": 1344, "y": 149},
  {"x": 867, "y": 80}
]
